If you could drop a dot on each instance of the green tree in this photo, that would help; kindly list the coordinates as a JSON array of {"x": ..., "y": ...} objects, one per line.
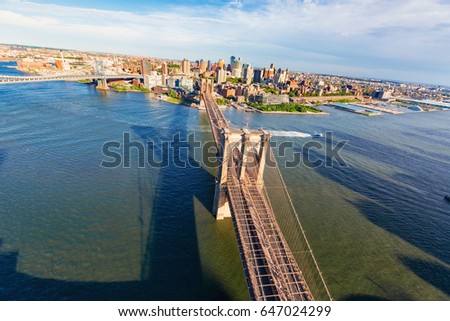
[{"x": 173, "y": 94}]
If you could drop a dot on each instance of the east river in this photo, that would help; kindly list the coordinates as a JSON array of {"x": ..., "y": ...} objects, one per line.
[{"x": 71, "y": 229}]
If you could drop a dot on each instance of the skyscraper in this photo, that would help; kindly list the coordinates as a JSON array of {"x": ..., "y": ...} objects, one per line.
[
  {"x": 258, "y": 75},
  {"x": 185, "y": 66},
  {"x": 271, "y": 73},
  {"x": 280, "y": 76},
  {"x": 237, "y": 64},
  {"x": 221, "y": 64},
  {"x": 146, "y": 66},
  {"x": 232, "y": 60},
  {"x": 248, "y": 74},
  {"x": 203, "y": 65},
  {"x": 164, "y": 69},
  {"x": 237, "y": 73},
  {"x": 221, "y": 75}
]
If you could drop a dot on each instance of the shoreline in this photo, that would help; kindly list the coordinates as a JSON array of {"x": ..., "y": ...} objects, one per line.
[
  {"x": 322, "y": 113},
  {"x": 152, "y": 95}
]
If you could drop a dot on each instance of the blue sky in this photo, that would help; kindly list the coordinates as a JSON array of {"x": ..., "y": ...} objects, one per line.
[{"x": 395, "y": 39}]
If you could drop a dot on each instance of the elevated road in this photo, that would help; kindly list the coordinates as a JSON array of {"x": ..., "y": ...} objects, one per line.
[{"x": 26, "y": 79}]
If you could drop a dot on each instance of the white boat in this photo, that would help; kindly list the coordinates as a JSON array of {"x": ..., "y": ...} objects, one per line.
[{"x": 317, "y": 135}]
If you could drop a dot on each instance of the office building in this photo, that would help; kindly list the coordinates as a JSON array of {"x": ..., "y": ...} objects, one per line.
[
  {"x": 221, "y": 76},
  {"x": 258, "y": 75},
  {"x": 185, "y": 66},
  {"x": 270, "y": 99},
  {"x": 152, "y": 79},
  {"x": 146, "y": 67},
  {"x": 203, "y": 65},
  {"x": 164, "y": 69},
  {"x": 248, "y": 74}
]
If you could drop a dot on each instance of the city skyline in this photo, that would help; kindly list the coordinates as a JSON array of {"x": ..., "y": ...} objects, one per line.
[{"x": 406, "y": 40}]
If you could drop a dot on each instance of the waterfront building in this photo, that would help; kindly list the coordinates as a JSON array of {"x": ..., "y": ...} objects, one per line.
[
  {"x": 153, "y": 79},
  {"x": 62, "y": 64},
  {"x": 250, "y": 92},
  {"x": 186, "y": 83},
  {"x": 240, "y": 99},
  {"x": 271, "y": 99},
  {"x": 171, "y": 82},
  {"x": 382, "y": 94},
  {"x": 180, "y": 81}
]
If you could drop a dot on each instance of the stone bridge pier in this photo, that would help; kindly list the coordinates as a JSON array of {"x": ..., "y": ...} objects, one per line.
[{"x": 248, "y": 150}]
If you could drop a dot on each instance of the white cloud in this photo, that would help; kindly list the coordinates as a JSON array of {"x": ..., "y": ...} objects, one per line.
[{"x": 401, "y": 36}]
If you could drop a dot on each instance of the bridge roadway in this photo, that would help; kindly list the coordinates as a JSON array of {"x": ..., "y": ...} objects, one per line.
[
  {"x": 24, "y": 79},
  {"x": 271, "y": 270}
]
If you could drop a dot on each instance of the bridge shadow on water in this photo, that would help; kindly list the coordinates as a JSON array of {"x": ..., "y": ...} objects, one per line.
[
  {"x": 170, "y": 266},
  {"x": 362, "y": 297},
  {"x": 171, "y": 259},
  {"x": 3, "y": 154},
  {"x": 396, "y": 208},
  {"x": 391, "y": 206},
  {"x": 433, "y": 273}
]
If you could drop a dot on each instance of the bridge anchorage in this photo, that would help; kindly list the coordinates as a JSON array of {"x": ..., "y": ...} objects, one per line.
[{"x": 271, "y": 268}]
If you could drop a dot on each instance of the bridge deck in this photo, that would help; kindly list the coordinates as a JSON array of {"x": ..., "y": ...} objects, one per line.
[
  {"x": 271, "y": 270},
  {"x": 216, "y": 118},
  {"x": 270, "y": 267},
  {"x": 25, "y": 79}
]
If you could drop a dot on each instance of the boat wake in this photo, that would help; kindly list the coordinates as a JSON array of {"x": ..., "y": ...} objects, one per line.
[{"x": 280, "y": 133}]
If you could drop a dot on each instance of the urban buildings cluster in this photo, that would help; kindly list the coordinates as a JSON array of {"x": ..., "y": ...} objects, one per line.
[{"x": 234, "y": 78}]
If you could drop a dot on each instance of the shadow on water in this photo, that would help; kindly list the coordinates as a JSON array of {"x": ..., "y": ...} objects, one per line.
[
  {"x": 393, "y": 207},
  {"x": 434, "y": 273},
  {"x": 3, "y": 155},
  {"x": 171, "y": 259},
  {"x": 19, "y": 286},
  {"x": 389, "y": 154},
  {"x": 362, "y": 297},
  {"x": 170, "y": 266}
]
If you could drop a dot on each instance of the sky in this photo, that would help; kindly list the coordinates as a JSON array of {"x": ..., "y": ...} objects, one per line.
[{"x": 387, "y": 39}]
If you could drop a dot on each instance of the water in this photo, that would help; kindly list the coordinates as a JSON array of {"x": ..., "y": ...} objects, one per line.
[{"x": 70, "y": 229}]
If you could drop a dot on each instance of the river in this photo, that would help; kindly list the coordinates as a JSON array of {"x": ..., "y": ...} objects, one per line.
[{"x": 71, "y": 229}]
